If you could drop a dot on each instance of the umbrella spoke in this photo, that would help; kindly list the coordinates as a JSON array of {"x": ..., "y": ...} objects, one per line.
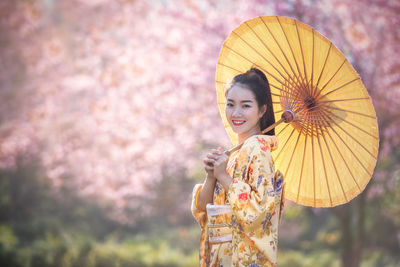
[
  {"x": 283, "y": 53},
  {"x": 344, "y": 160},
  {"x": 312, "y": 61},
  {"x": 334, "y": 165},
  {"x": 352, "y": 152},
  {"x": 352, "y": 137},
  {"x": 342, "y": 86},
  {"x": 288, "y": 74},
  {"x": 291, "y": 157},
  {"x": 313, "y": 163},
  {"x": 283, "y": 129},
  {"x": 302, "y": 166},
  {"x": 354, "y": 112},
  {"x": 232, "y": 68},
  {"x": 326, "y": 174},
  {"x": 350, "y": 149},
  {"x": 337, "y": 148},
  {"x": 354, "y": 125},
  {"x": 255, "y": 50},
  {"x": 283, "y": 147},
  {"x": 276, "y": 87},
  {"x": 275, "y": 95},
  {"x": 302, "y": 52},
  {"x": 323, "y": 87},
  {"x": 290, "y": 46},
  {"x": 323, "y": 68},
  {"x": 224, "y": 45},
  {"x": 348, "y": 99}
]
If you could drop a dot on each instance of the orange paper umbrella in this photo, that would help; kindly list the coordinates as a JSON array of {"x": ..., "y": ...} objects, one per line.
[{"x": 329, "y": 145}]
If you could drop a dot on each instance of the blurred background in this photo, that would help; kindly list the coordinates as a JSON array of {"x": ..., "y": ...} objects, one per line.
[{"x": 107, "y": 108}]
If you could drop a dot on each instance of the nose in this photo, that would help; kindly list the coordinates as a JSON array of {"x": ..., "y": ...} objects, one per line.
[{"x": 237, "y": 113}]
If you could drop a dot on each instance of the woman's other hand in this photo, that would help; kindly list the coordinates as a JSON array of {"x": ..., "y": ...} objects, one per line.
[
  {"x": 209, "y": 161},
  {"x": 220, "y": 164}
]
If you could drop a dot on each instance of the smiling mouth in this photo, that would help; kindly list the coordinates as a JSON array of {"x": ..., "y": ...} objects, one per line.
[{"x": 238, "y": 123}]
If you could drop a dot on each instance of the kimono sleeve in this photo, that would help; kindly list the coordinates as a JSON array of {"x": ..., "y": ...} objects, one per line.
[
  {"x": 199, "y": 215},
  {"x": 253, "y": 197}
]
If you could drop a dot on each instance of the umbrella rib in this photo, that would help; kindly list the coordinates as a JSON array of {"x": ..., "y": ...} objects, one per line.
[
  {"x": 262, "y": 41},
  {"x": 224, "y": 45},
  {"x": 302, "y": 52},
  {"x": 333, "y": 141},
  {"x": 291, "y": 49},
  {"x": 291, "y": 157},
  {"x": 269, "y": 84},
  {"x": 312, "y": 61},
  {"x": 241, "y": 71},
  {"x": 313, "y": 163},
  {"x": 323, "y": 68},
  {"x": 352, "y": 152},
  {"x": 287, "y": 60},
  {"x": 283, "y": 129},
  {"x": 232, "y": 68},
  {"x": 280, "y": 89},
  {"x": 354, "y": 112},
  {"x": 364, "y": 131},
  {"x": 275, "y": 94},
  {"x": 287, "y": 140},
  {"x": 354, "y": 179},
  {"x": 334, "y": 165},
  {"x": 323, "y": 87},
  {"x": 355, "y": 139},
  {"x": 342, "y": 86},
  {"x": 302, "y": 167},
  {"x": 348, "y": 99},
  {"x": 289, "y": 81},
  {"x": 259, "y": 54},
  {"x": 323, "y": 163}
]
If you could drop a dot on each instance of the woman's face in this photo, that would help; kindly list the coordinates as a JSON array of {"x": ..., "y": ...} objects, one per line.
[{"x": 242, "y": 111}]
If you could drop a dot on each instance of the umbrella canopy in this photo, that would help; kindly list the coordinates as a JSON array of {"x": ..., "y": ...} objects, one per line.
[{"x": 328, "y": 152}]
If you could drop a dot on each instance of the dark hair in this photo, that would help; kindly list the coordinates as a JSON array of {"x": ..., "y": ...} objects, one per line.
[{"x": 256, "y": 81}]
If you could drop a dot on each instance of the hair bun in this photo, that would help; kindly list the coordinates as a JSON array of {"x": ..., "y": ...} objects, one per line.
[{"x": 259, "y": 73}]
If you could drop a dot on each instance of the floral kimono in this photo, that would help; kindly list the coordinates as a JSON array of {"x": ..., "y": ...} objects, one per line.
[{"x": 241, "y": 227}]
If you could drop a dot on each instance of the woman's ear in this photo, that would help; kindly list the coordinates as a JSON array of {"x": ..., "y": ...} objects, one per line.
[{"x": 263, "y": 110}]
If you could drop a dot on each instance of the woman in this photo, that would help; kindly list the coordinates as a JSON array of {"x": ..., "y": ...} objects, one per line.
[{"x": 238, "y": 206}]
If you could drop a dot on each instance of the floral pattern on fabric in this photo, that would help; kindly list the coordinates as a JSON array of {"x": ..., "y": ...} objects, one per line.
[{"x": 256, "y": 198}]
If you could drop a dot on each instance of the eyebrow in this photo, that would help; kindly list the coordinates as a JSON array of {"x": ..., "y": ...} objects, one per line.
[{"x": 243, "y": 101}]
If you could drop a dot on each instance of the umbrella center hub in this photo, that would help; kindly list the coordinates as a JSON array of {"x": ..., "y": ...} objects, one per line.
[
  {"x": 309, "y": 102},
  {"x": 310, "y": 108}
]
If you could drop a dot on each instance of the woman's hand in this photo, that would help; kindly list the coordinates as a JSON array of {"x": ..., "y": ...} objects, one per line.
[
  {"x": 209, "y": 161},
  {"x": 220, "y": 171},
  {"x": 220, "y": 164},
  {"x": 207, "y": 191}
]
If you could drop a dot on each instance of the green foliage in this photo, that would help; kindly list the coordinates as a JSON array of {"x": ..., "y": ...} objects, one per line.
[
  {"x": 326, "y": 258},
  {"x": 41, "y": 227}
]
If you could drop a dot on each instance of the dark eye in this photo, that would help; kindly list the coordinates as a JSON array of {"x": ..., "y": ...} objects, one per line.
[
  {"x": 229, "y": 105},
  {"x": 246, "y": 106}
]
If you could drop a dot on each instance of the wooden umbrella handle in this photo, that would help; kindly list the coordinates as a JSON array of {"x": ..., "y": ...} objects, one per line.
[{"x": 287, "y": 117}]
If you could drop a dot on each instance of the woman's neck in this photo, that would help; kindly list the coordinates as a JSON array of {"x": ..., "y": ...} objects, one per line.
[{"x": 243, "y": 137}]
